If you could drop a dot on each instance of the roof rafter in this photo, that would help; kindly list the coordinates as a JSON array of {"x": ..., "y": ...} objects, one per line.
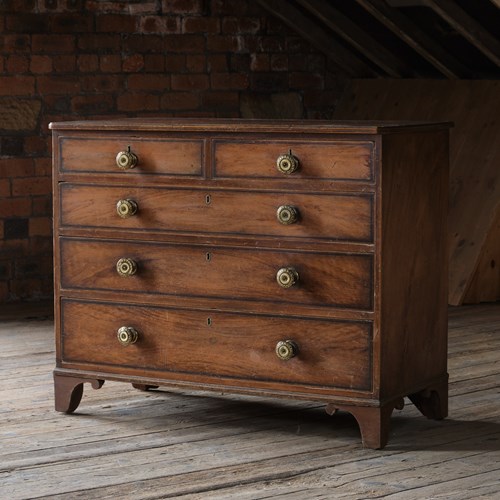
[
  {"x": 468, "y": 27},
  {"x": 358, "y": 38},
  {"x": 318, "y": 37},
  {"x": 402, "y": 27}
]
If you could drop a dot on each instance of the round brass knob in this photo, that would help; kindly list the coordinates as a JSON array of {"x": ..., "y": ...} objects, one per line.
[
  {"x": 287, "y": 277},
  {"x": 287, "y": 163},
  {"x": 286, "y": 349},
  {"x": 127, "y": 335},
  {"x": 126, "y": 267},
  {"x": 126, "y": 159},
  {"x": 286, "y": 214},
  {"x": 126, "y": 208}
]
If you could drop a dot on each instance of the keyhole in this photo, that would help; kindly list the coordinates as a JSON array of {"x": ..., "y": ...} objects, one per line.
[
  {"x": 208, "y": 256},
  {"x": 208, "y": 199},
  {"x": 209, "y": 321}
]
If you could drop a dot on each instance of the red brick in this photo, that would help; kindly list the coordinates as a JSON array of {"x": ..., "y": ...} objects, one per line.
[
  {"x": 58, "y": 84},
  {"x": 224, "y": 43},
  {"x": 200, "y": 25},
  {"x": 185, "y": 43},
  {"x": 15, "y": 43},
  {"x": 35, "y": 144},
  {"x": 148, "y": 82},
  {"x": 40, "y": 226},
  {"x": 229, "y": 7},
  {"x": 2, "y": 64},
  {"x": 15, "y": 207},
  {"x": 99, "y": 43},
  {"x": 175, "y": 63},
  {"x": 66, "y": 22},
  {"x": 217, "y": 63},
  {"x": 103, "y": 83},
  {"x": 17, "y": 64},
  {"x": 221, "y": 100},
  {"x": 235, "y": 81},
  {"x": 17, "y": 85},
  {"x": 88, "y": 63},
  {"x": 141, "y": 44},
  {"x": 40, "y": 64},
  {"x": 142, "y": 7},
  {"x": 190, "y": 82},
  {"x": 92, "y": 104},
  {"x": 306, "y": 81},
  {"x": 42, "y": 205},
  {"x": 4, "y": 188},
  {"x": 53, "y": 44},
  {"x": 64, "y": 64},
  {"x": 26, "y": 22},
  {"x": 31, "y": 185},
  {"x": 196, "y": 63},
  {"x": 159, "y": 24},
  {"x": 115, "y": 23},
  {"x": 183, "y": 7},
  {"x": 154, "y": 63},
  {"x": 260, "y": 62},
  {"x": 43, "y": 166},
  {"x": 134, "y": 63},
  {"x": 135, "y": 101},
  {"x": 241, "y": 25},
  {"x": 279, "y": 62},
  {"x": 180, "y": 100},
  {"x": 110, "y": 63},
  {"x": 16, "y": 167}
]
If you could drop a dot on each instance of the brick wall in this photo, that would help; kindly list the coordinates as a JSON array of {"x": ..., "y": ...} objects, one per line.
[{"x": 74, "y": 59}]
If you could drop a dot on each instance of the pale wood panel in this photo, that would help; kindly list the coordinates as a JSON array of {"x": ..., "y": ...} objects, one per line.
[
  {"x": 124, "y": 443},
  {"x": 474, "y": 153},
  {"x": 485, "y": 285}
]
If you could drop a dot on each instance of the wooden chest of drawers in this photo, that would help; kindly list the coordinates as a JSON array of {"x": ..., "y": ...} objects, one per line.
[{"x": 285, "y": 259}]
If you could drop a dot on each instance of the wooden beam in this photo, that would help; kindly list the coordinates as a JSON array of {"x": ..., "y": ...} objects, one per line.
[
  {"x": 358, "y": 38},
  {"x": 318, "y": 37},
  {"x": 468, "y": 27},
  {"x": 402, "y": 27}
]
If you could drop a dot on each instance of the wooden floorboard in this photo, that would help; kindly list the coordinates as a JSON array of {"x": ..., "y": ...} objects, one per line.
[{"x": 127, "y": 444}]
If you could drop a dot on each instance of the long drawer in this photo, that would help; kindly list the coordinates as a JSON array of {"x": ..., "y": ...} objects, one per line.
[
  {"x": 154, "y": 156},
  {"x": 322, "y": 279},
  {"x": 330, "y": 353},
  {"x": 319, "y": 216},
  {"x": 335, "y": 160}
]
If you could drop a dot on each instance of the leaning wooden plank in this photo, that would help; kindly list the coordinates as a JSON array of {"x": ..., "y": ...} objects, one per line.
[{"x": 474, "y": 154}]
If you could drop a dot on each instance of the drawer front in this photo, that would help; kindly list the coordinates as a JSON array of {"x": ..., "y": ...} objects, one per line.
[
  {"x": 337, "y": 160},
  {"x": 319, "y": 216},
  {"x": 330, "y": 353},
  {"x": 154, "y": 156},
  {"x": 234, "y": 273}
]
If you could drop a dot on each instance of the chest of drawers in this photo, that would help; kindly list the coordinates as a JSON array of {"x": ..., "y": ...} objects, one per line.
[{"x": 282, "y": 259}]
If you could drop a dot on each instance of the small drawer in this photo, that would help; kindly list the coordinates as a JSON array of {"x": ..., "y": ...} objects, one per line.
[
  {"x": 339, "y": 160},
  {"x": 153, "y": 155},
  {"x": 327, "y": 353},
  {"x": 324, "y": 279},
  {"x": 330, "y": 217}
]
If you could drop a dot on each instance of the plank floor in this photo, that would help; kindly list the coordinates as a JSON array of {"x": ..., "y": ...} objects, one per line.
[{"x": 127, "y": 444}]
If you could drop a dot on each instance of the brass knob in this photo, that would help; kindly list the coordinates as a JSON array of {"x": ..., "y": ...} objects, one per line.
[
  {"x": 126, "y": 267},
  {"x": 287, "y": 163},
  {"x": 126, "y": 159},
  {"x": 127, "y": 335},
  {"x": 286, "y": 214},
  {"x": 287, "y": 277},
  {"x": 286, "y": 349},
  {"x": 126, "y": 208}
]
